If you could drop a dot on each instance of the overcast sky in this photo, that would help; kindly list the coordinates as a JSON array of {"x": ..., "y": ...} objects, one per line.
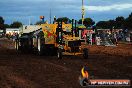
[{"x": 98, "y": 10}]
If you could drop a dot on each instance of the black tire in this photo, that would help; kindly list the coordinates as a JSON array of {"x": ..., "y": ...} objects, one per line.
[
  {"x": 35, "y": 50},
  {"x": 85, "y": 53},
  {"x": 40, "y": 53},
  {"x": 59, "y": 54},
  {"x": 54, "y": 52}
]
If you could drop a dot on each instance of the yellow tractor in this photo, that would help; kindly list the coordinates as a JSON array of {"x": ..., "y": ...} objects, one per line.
[{"x": 53, "y": 39}]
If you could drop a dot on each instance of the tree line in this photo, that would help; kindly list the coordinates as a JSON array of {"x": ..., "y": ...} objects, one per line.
[
  {"x": 3, "y": 26},
  {"x": 118, "y": 23}
]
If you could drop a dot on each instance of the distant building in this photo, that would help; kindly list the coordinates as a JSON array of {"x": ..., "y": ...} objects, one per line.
[
  {"x": 11, "y": 31},
  {"x": 29, "y": 28}
]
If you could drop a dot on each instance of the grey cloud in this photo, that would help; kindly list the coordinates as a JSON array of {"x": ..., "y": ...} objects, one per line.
[{"x": 69, "y": 8}]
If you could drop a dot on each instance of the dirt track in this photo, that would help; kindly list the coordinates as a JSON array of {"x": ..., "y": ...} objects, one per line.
[{"x": 30, "y": 71}]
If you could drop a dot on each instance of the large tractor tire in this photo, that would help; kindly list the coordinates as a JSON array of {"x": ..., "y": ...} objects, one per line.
[
  {"x": 59, "y": 54},
  {"x": 85, "y": 53}
]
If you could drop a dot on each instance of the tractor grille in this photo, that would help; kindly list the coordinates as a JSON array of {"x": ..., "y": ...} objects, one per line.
[{"x": 74, "y": 43}]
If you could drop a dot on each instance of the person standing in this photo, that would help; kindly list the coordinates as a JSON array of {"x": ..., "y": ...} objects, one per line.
[{"x": 115, "y": 38}]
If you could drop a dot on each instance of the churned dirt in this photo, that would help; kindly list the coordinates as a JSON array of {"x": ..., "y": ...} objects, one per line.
[{"x": 31, "y": 71}]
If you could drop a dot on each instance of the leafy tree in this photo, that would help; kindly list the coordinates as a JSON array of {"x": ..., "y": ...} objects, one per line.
[
  {"x": 64, "y": 19},
  {"x": 2, "y": 27},
  {"x": 1, "y": 23},
  {"x": 106, "y": 24},
  {"x": 88, "y": 22},
  {"x": 102, "y": 25},
  {"x": 119, "y": 22},
  {"x": 111, "y": 23},
  {"x": 7, "y": 25},
  {"x": 16, "y": 24},
  {"x": 1, "y": 20},
  {"x": 128, "y": 22}
]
